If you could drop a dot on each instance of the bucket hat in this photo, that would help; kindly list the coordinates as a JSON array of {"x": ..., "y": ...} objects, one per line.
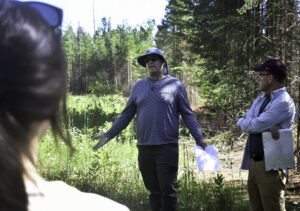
[{"x": 151, "y": 51}]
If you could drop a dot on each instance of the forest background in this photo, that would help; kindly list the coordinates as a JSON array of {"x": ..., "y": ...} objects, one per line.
[{"x": 211, "y": 45}]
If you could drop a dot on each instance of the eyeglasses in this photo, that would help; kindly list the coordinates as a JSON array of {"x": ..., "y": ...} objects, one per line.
[
  {"x": 263, "y": 74},
  {"x": 151, "y": 59},
  {"x": 52, "y": 15}
]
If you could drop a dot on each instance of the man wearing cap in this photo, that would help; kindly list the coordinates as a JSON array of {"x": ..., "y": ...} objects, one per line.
[
  {"x": 274, "y": 109},
  {"x": 157, "y": 101}
]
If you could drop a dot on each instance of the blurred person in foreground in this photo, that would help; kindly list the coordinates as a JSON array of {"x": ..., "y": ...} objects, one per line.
[
  {"x": 32, "y": 98},
  {"x": 274, "y": 109},
  {"x": 157, "y": 101}
]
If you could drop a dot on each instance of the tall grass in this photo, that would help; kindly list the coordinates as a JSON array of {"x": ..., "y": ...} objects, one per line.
[
  {"x": 112, "y": 170},
  {"x": 90, "y": 111}
]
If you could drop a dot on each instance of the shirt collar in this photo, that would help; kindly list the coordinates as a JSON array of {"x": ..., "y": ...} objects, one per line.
[{"x": 276, "y": 92}]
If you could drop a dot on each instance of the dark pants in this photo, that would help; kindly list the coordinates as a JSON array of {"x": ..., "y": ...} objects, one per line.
[{"x": 159, "y": 167}]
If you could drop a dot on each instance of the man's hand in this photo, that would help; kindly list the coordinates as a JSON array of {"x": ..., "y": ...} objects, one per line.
[
  {"x": 202, "y": 144},
  {"x": 275, "y": 132},
  {"x": 102, "y": 140}
]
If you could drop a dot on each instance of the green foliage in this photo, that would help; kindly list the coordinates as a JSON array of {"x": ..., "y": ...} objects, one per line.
[
  {"x": 227, "y": 43},
  {"x": 195, "y": 193},
  {"x": 249, "y": 4},
  {"x": 226, "y": 90},
  {"x": 91, "y": 111},
  {"x": 218, "y": 46},
  {"x": 105, "y": 62},
  {"x": 112, "y": 170},
  {"x": 98, "y": 88},
  {"x": 213, "y": 195},
  {"x": 70, "y": 47}
]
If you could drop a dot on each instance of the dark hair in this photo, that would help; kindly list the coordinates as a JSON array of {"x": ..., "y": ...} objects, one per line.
[
  {"x": 32, "y": 88},
  {"x": 279, "y": 79}
]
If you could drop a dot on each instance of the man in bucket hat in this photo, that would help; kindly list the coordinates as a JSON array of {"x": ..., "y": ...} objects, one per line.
[
  {"x": 274, "y": 109},
  {"x": 157, "y": 101}
]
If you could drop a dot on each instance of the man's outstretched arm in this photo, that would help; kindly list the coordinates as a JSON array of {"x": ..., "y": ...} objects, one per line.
[{"x": 103, "y": 139}]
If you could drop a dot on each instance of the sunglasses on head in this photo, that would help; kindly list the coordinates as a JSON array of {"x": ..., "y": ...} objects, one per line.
[{"x": 53, "y": 15}]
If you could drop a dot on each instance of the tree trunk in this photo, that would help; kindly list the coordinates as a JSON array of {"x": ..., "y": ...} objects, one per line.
[{"x": 297, "y": 150}]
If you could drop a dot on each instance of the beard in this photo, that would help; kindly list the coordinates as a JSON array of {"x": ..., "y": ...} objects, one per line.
[{"x": 155, "y": 74}]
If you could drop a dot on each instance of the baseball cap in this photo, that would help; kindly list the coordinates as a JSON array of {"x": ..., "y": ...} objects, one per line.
[
  {"x": 273, "y": 66},
  {"x": 151, "y": 51}
]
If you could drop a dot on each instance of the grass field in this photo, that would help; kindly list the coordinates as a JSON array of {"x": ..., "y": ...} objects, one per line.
[{"x": 112, "y": 171}]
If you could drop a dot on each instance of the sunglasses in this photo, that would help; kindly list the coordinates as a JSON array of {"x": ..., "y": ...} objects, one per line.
[
  {"x": 153, "y": 59},
  {"x": 52, "y": 15}
]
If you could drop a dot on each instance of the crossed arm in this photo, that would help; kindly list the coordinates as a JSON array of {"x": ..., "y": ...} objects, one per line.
[{"x": 269, "y": 120}]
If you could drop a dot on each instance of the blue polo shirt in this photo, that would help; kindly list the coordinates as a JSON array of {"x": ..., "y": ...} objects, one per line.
[{"x": 157, "y": 105}]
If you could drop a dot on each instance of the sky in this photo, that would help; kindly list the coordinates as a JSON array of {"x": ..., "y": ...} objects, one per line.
[{"x": 132, "y": 12}]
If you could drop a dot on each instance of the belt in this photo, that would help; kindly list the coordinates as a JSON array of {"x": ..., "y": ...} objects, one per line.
[{"x": 257, "y": 157}]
